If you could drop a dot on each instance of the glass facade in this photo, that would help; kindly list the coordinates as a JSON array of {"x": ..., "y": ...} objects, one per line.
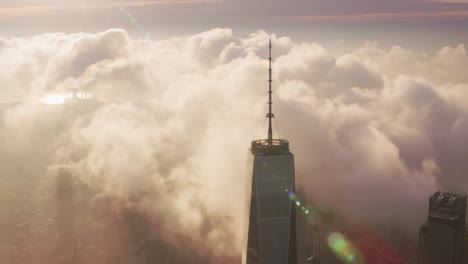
[
  {"x": 441, "y": 238},
  {"x": 272, "y": 220}
]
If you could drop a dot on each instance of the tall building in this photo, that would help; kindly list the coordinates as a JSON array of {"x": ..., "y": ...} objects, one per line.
[
  {"x": 441, "y": 238},
  {"x": 271, "y": 237},
  {"x": 312, "y": 238},
  {"x": 465, "y": 240},
  {"x": 304, "y": 229}
]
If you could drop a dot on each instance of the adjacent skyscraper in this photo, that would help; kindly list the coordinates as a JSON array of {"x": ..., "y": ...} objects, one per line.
[
  {"x": 441, "y": 238},
  {"x": 272, "y": 219}
]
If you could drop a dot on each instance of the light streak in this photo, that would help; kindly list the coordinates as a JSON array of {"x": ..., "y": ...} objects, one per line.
[
  {"x": 342, "y": 247},
  {"x": 294, "y": 199}
]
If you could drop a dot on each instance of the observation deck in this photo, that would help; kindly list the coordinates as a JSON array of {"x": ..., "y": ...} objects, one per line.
[{"x": 270, "y": 147}]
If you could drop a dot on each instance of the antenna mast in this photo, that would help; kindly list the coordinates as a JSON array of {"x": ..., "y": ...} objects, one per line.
[
  {"x": 270, "y": 114},
  {"x": 270, "y": 146}
]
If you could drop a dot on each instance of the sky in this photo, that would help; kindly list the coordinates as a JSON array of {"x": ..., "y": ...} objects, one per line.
[
  {"x": 426, "y": 24},
  {"x": 372, "y": 95}
]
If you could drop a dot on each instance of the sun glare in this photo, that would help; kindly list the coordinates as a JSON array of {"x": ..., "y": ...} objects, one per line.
[{"x": 54, "y": 99}]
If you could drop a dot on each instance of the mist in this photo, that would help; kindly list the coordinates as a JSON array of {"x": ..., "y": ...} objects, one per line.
[{"x": 160, "y": 150}]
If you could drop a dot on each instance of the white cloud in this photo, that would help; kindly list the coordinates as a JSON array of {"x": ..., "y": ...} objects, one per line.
[
  {"x": 445, "y": 66},
  {"x": 370, "y": 130}
]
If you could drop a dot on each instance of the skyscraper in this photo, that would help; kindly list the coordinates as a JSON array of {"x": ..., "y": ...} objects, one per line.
[
  {"x": 441, "y": 238},
  {"x": 271, "y": 237},
  {"x": 312, "y": 238}
]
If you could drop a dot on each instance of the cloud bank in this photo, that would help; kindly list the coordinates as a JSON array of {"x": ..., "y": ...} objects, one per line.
[{"x": 374, "y": 132}]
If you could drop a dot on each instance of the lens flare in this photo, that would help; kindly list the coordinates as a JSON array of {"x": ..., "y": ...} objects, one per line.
[
  {"x": 343, "y": 248},
  {"x": 294, "y": 199}
]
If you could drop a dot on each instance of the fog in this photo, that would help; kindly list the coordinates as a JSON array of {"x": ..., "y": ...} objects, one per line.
[{"x": 159, "y": 152}]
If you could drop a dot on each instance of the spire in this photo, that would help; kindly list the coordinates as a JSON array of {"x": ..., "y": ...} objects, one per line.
[
  {"x": 270, "y": 146},
  {"x": 270, "y": 114}
]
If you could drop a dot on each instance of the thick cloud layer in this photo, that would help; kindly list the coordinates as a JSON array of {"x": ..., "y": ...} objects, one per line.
[{"x": 374, "y": 133}]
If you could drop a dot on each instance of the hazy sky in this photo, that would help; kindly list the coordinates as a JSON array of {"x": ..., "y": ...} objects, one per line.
[
  {"x": 380, "y": 124},
  {"x": 415, "y": 23},
  {"x": 375, "y": 127}
]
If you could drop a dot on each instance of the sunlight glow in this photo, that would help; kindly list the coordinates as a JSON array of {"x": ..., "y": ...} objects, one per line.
[
  {"x": 54, "y": 99},
  {"x": 343, "y": 248}
]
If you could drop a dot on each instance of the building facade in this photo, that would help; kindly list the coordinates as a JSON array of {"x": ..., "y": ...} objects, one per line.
[
  {"x": 271, "y": 234},
  {"x": 441, "y": 238}
]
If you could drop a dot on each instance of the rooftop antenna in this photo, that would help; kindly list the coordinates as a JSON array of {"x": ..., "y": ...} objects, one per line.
[
  {"x": 270, "y": 114},
  {"x": 270, "y": 146}
]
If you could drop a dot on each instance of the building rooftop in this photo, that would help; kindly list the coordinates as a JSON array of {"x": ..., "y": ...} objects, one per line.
[
  {"x": 448, "y": 200},
  {"x": 274, "y": 146},
  {"x": 447, "y": 207}
]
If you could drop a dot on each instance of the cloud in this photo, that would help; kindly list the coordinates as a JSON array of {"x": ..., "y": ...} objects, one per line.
[
  {"x": 384, "y": 16},
  {"x": 167, "y": 141},
  {"x": 442, "y": 67}
]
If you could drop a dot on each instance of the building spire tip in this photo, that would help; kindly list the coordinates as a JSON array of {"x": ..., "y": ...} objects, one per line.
[{"x": 270, "y": 114}]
